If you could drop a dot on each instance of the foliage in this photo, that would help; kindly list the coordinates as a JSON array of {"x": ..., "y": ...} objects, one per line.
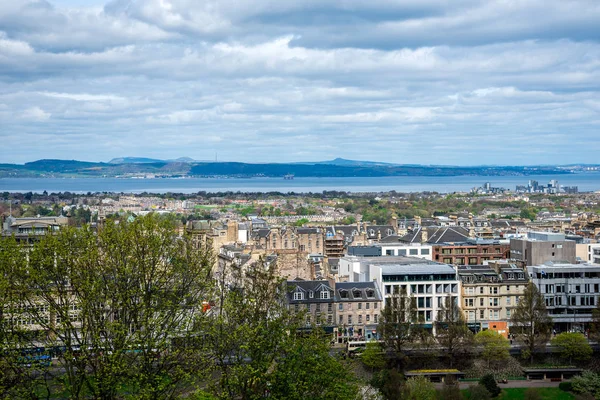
[
  {"x": 113, "y": 301},
  {"x": 595, "y": 325},
  {"x": 587, "y": 383},
  {"x": 531, "y": 321},
  {"x": 489, "y": 382},
  {"x": 258, "y": 348},
  {"x": 452, "y": 332},
  {"x": 573, "y": 345},
  {"x": 389, "y": 382},
  {"x": 495, "y": 346},
  {"x": 373, "y": 356},
  {"x": 479, "y": 392},
  {"x": 451, "y": 389},
  {"x": 510, "y": 367},
  {"x": 301, "y": 222},
  {"x": 566, "y": 386},
  {"x": 395, "y": 322},
  {"x": 419, "y": 388}
]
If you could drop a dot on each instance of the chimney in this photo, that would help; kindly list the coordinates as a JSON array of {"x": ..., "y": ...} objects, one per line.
[
  {"x": 424, "y": 235},
  {"x": 418, "y": 220},
  {"x": 394, "y": 224}
]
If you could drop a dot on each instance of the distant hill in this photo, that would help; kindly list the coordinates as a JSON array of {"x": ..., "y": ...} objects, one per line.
[
  {"x": 186, "y": 167},
  {"x": 134, "y": 160},
  {"x": 144, "y": 160}
]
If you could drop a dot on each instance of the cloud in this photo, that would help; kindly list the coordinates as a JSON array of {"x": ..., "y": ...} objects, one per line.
[{"x": 267, "y": 80}]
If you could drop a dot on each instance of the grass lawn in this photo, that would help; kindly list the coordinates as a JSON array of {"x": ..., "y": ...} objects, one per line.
[{"x": 519, "y": 394}]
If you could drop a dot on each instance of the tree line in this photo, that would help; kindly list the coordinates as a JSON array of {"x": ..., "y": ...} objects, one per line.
[{"x": 132, "y": 310}]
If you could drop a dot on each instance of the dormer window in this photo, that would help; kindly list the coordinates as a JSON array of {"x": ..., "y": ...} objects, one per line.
[
  {"x": 343, "y": 294},
  {"x": 356, "y": 294},
  {"x": 324, "y": 294},
  {"x": 310, "y": 294},
  {"x": 372, "y": 232},
  {"x": 298, "y": 296},
  {"x": 370, "y": 294}
]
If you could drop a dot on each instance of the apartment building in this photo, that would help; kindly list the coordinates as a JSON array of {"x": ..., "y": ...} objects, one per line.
[
  {"x": 357, "y": 307},
  {"x": 316, "y": 298},
  {"x": 490, "y": 292},
  {"x": 571, "y": 292},
  {"x": 471, "y": 251}
]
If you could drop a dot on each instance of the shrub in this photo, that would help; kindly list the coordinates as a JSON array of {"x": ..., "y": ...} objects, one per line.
[
  {"x": 490, "y": 384},
  {"x": 479, "y": 392},
  {"x": 532, "y": 394},
  {"x": 566, "y": 386}
]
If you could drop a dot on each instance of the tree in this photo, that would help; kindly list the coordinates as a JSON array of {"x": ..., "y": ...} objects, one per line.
[
  {"x": 394, "y": 327},
  {"x": 530, "y": 321},
  {"x": 258, "y": 348},
  {"x": 494, "y": 346},
  {"x": 451, "y": 389},
  {"x": 452, "y": 332},
  {"x": 114, "y": 302},
  {"x": 419, "y": 388},
  {"x": 490, "y": 384},
  {"x": 479, "y": 392},
  {"x": 573, "y": 345},
  {"x": 588, "y": 383},
  {"x": 373, "y": 357}
]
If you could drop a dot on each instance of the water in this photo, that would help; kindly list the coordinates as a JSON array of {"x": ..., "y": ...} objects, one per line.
[{"x": 589, "y": 181}]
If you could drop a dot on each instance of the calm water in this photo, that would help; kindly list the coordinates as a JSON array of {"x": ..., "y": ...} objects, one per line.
[{"x": 585, "y": 181}]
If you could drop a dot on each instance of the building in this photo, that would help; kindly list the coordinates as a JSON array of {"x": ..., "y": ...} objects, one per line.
[
  {"x": 33, "y": 226},
  {"x": 490, "y": 293},
  {"x": 357, "y": 305},
  {"x": 541, "y": 247},
  {"x": 571, "y": 292},
  {"x": 316, "y": 298},
  {"x": 588, "y": 253},
  {"x": 428, "y": 281},
  {"x": 471, "y": 251}
]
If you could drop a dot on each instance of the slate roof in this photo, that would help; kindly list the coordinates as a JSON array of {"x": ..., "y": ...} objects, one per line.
[
  {"x": 350, "y": 288},
  {"x": 306, "y": 287}
]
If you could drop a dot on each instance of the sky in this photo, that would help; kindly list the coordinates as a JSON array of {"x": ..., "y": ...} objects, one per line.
[{"x": 461, "y": 82}]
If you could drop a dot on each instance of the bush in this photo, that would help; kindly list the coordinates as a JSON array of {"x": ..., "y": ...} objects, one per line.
[
  {"x": 566, "y": 386},
  {"x": 490, "y": 384},
  {"x": 479, "y": 392}
]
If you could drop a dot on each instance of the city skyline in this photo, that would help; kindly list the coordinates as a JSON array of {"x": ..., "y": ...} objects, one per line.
[{"x": 417, "y": 82}]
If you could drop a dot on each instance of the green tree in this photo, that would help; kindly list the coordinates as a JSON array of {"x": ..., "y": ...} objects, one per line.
[
  {"x": 452, "y": 332},
  {"x": 573, "y": 345},
  {"x": 489, "y": 382},
  {"x": 395, "y": 323},
  {"x": 531, "y": 322},
  {"x": 258, "y": 348},
  {"x": 495, "y": 348},
  {"x": 479, "y": 392},
  {"x": 419, "y": 388},
  {"x": 115, "y": 300},
  {"x": 373, "y": 356},
  {"x": 588, "y": 383}
]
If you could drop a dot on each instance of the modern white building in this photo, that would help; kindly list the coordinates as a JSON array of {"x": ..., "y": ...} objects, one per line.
[
  {"x": 428, "y": 281},
  {"x": 588, "y": 252},
  {"x": 571, "y": 292},
  {"x": 406, "y": 249}
]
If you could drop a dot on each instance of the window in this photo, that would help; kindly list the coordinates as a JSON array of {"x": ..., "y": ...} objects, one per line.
[
  {"x": 368, "y": 318},
  {"x": 310, "y": 294},
  {"x": 367, "y": 305},
  {"x": 401, "y": 252},
  {"x": 349, "y": 319},
  {"x": 318, "y": 307},
  {"x": 360, "y": 306},
  {"x": 360, "y": 319},
  {"x": 375, "y": 306},
  {"x": 481, "y": 302},
  {"x": 482, "y": 314},
  {"x": 324, "y": 294},
  {"x": 370, "y": 293},
  {"x": 340, "y": 306},
  {"x": 389, "y": 252},
  {"x": 298, "y": 296},
  {"x": 481, "y": 290},
  {"x": 344, "y": 293},
  {"x": 375, "y": 318},
  {"x": 508, "y": 313},
  {"x": 494, "y": 302},
  {"x": 329, "y": 307},
  {"x": 469, "y": 303},
  {"x": 494, "y": 290},
  {"x": 508, "y": 301},
  {"x": 356, "y": 294},
  {"x": 341, "y": 319},
  {"x": 424, "y": 252},
  {"x": 413, "y": 252}
]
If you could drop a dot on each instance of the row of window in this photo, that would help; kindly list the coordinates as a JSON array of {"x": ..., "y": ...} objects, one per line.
[
  {"x": 472, "y": 290},
  {"x": 571, "y": 300},
  {"x": 493, "y": 315},
  {"x": 422, "y": 289},
  {"x": 411, "y": 252},
  {"x": 471, "y": 251},
  {"x": 493, "y": 301},
  {"x": 564, "y": 288},
  {"x": 350, "y": 319},
  {"x": 329, "y": 307}
]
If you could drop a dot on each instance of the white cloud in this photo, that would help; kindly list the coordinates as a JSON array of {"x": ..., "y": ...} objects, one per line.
[{"x": 35, "y": 114}]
